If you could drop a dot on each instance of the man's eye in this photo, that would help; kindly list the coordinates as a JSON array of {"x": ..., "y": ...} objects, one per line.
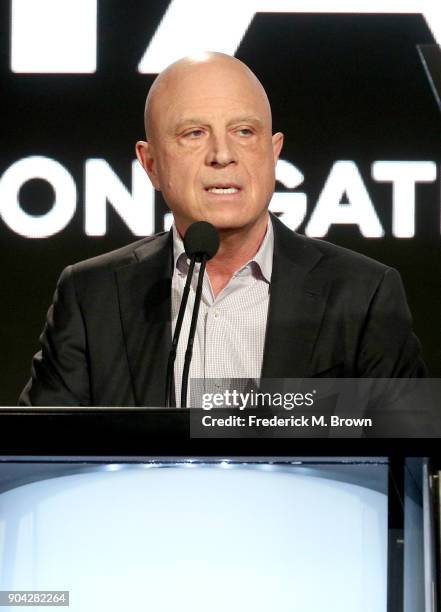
[
  {"x": 196, "y": 133},
  {"x": 245, "y": 131}
]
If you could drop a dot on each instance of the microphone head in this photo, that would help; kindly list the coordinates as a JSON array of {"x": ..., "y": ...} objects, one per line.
[{"x": 201, "y": 238}]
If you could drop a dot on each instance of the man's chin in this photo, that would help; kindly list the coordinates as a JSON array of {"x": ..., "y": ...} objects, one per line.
[
  {"x": 233, "y": 222},
  {"x": 224, "y": 221}
]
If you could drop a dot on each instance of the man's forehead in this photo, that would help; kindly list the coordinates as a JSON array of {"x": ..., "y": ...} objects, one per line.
[
  {"x": 187, "y": 101},
  {"x": 194, "y": 106}
]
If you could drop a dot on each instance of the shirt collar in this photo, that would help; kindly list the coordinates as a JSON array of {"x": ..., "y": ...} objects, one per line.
[{"x": 262, "y": 262}]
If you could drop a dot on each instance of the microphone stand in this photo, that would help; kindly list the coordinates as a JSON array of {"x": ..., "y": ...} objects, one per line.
[
  {"x": 174, "y": 346},
  {"x": 201, "y": 242},
  {"x": 194, "y": 318}
]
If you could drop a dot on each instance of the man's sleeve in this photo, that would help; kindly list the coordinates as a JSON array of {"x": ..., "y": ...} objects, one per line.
[
  {"x": 60, "y": 374},
  {"x": 388, "y": 346}
]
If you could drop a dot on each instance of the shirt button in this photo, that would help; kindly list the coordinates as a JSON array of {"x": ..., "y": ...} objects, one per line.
[{"x": 216, "y": 314}]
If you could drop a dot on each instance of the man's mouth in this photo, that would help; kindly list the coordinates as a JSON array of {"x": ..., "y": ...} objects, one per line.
[{"x": 222, "y": 190}]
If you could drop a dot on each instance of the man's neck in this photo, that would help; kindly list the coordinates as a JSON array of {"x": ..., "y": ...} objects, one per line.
[{"x": 235, "y": 250}]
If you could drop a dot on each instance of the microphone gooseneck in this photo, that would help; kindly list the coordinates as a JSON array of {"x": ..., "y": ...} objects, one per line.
[
  {"x": 201, "y": 242},
  {"x": 194, "y": 318},
  {"x": 174, "y": 346}
]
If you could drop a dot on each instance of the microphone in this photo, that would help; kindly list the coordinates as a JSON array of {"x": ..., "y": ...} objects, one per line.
[
  {"x": 201, "y": 243},
  {"x": 200, "y": 239}
]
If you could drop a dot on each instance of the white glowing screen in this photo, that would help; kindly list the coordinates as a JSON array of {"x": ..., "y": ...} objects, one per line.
[
  {"x": 58, "y": 36},
  {"x": 198, "y": 539}
]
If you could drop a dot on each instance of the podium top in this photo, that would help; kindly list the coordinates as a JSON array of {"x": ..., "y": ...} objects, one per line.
[{"x": 171, "y": 432}]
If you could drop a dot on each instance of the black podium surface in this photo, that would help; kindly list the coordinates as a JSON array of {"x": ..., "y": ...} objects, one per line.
[{"x": 167, "y": 432}]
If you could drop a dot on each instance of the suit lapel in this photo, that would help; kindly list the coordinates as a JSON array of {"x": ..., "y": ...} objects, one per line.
[
  {"x": 144, "y": 289},
  {"x": 296, "y": 307}
]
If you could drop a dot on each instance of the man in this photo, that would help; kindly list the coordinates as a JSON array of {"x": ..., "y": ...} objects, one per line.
[{"x": 275, "y": 304}]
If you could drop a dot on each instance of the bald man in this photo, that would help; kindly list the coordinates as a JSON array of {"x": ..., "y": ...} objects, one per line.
[{"x": 274, "y": 304}]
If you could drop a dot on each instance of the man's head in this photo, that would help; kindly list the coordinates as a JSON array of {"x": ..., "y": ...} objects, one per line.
[{"x": 210, "y": 150}]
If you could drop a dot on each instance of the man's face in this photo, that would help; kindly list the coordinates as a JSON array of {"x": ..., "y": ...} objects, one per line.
[{"x": 210, "y": 148}]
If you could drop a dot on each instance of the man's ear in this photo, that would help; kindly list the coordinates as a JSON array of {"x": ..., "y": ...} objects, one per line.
[
  {"x": 145, "y": 155},
  {"x": 277, "y": 141}
]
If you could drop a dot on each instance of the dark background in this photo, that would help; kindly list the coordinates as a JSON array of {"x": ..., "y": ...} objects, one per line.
[{"x": 342, "y": 87}]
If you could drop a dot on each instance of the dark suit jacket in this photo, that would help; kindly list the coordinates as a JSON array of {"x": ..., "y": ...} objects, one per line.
[{"x": 332, "y": 313}]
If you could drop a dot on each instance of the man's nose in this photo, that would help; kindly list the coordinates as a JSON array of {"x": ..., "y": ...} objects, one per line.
[{"x": 220, "y": 151}]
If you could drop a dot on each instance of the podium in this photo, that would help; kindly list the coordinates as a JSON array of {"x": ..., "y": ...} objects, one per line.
[{"x": 123, "y": 509}]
